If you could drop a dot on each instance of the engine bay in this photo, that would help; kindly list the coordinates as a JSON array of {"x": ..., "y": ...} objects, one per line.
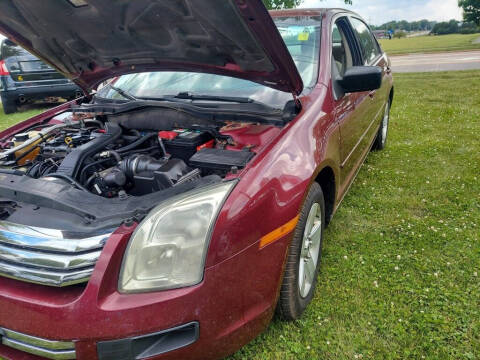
[{"x": 114, "y": 158}]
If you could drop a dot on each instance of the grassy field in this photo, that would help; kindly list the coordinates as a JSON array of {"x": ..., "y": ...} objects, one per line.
[
  {"x": 401, "y": 270},
  {"x": 24, "y": 113},
  {"x": 454, "y": 42}
]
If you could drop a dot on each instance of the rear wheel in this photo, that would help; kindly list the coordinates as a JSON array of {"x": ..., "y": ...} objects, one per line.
[
  {"x": 304, "y": 257},
  {"x": 9, "y": 105},
  {"x": 381, "y": 139}
]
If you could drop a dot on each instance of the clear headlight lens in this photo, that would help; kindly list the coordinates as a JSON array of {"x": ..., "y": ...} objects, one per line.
[{"x": 168, "y": 248}]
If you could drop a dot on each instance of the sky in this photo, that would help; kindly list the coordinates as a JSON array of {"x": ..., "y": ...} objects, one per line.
[{"x": 379, "y": 12}]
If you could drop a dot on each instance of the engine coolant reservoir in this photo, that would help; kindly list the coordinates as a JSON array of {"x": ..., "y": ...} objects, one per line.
[{"x": 19, "y": 139}]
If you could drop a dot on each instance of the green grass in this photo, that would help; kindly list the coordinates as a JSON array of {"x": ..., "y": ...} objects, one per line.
[
  {"x": 9, "y": 120},
  {"x": 400, "y": 277},
  {"x": 454, "y": 42}
]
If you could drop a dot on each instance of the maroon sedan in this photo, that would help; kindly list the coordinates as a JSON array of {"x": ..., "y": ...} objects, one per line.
[{"x": 170, "y": 212}]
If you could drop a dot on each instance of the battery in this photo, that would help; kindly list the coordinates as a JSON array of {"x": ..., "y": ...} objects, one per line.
[{"x": 185, "y": 144}]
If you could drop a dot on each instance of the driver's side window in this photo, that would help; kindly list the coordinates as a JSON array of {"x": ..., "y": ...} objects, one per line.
[{"x": 341, "y": 52}]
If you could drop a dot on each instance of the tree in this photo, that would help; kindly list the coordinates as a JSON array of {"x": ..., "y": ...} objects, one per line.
[
  {"x": 281, "y": 4},
  {"x": 443, "y": 28},
  {"x": 287, "y": 4},
  {"x": 422, "y": 25},
  {"x": 471, "y": 10}
]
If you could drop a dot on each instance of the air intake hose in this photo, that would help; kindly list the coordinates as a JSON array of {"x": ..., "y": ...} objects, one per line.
[
  {"x": 73, "y": 162},
  {"x": 136, "y": 164}
]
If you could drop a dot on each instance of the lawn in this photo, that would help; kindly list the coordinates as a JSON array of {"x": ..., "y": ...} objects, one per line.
[
  {"x": 400, "y": 277},
  {"x": 454, "y": 42},
  {"x": 401, "y": 270},
  {"x": 9, "y": 120}
]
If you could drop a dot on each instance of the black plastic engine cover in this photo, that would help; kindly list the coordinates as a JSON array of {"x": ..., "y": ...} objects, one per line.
[
  {"x": 163, "y": 178},
  {"x": 219, "y": 159},
  {"x": 73, "y": 162}
]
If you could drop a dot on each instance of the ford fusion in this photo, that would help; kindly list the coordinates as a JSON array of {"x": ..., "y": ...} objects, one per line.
[{"x": 180, "y": 204}]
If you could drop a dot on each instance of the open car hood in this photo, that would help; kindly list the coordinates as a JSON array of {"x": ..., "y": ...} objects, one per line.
[{"x": 91, "y": 41}]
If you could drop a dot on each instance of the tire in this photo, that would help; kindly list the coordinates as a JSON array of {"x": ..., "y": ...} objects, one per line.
[
  {"x": 381, "y": 139},
  {"x": 298, "y": 287},
  {"x": 9, "y": 106}
]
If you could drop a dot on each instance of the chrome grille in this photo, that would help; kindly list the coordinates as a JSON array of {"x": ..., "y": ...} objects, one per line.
[
  {"x": 48, "y": 256},
  {"x": 56, "y": 350}
]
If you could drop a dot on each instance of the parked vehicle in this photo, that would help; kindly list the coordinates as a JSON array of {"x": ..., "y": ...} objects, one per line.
[
  {"x": 24, "y": 78},
  {"x": 171, "y": 213}
]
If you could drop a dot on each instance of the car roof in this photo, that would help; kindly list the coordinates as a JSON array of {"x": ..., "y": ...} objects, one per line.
[{"x": 310, "y": 12}]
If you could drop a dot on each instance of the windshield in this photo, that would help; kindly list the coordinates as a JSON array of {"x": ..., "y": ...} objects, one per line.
[{"x": 302, "y": 37}]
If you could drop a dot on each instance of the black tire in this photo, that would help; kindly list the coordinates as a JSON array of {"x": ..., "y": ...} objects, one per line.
[
  {"x": 9, "y": 105},
  {"x": 291, "y": 303},
  {"x": 381, "y": 139}
]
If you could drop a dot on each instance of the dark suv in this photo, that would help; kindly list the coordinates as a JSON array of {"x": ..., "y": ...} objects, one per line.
[{"x": 23, "y": 78}]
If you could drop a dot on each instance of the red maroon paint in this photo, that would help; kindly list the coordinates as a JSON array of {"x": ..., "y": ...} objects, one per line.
[{"x": 237, "y": 297}]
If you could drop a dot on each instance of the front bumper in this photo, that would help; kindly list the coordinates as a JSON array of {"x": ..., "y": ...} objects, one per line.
[{"x": 234, "y": 302}]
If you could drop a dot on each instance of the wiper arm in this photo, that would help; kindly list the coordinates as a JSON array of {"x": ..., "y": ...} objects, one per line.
[
  {"x": 181, "y": 97},
  {"x": 122, "y": 92},
  {"x": 189, "y": 96}
]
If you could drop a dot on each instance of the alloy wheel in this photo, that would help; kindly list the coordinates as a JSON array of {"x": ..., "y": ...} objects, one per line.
[{"x": 310, "y": 252}]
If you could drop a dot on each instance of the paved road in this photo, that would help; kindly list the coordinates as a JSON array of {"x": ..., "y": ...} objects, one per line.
[{"x": 463, "y": 60}]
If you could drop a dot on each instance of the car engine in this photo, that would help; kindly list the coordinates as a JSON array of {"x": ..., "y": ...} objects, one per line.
[{"x": 113, "y": 161}]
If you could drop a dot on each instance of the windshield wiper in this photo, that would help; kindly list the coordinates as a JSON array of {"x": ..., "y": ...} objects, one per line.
[
  {"x": 122, "y": 92},
  {"x": 234, "y": 99},
  {"x": 180, "y": 98}
]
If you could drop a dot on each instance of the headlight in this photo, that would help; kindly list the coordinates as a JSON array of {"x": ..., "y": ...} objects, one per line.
[{"x": 168, "y": 248}]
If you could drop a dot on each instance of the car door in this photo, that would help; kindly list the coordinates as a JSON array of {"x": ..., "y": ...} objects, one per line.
[
  {"x": 372, "y": 56},
  {"x": 352, "y": 110}
]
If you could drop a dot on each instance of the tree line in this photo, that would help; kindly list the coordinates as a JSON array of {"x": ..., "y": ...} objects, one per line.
[
  {"x": 421, "y": 25},
  {"x": 455, "y": 27},
  {"x": 471, "y": 15},
  {"x": 438, "y": 28}
]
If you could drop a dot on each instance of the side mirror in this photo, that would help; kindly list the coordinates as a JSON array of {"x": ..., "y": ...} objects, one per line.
[{"x": 361, "y": 78}]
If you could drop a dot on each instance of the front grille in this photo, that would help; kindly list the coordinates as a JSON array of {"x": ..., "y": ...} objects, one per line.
[
  {"x": 56, "y": 350},
  {"x": 47, "y": 256}
]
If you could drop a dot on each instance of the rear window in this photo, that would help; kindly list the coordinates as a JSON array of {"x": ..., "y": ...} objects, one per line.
[{"x": 9, "y": 49}]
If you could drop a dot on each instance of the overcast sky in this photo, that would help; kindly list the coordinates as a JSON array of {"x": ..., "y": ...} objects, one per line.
[{"x": 379, "y": 12}]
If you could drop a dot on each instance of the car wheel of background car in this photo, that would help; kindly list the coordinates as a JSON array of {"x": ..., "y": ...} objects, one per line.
[
  {"x": 9, "y": 106},
  {"x": 381, "y": 139},
  {"x": 304, "y": 257}
]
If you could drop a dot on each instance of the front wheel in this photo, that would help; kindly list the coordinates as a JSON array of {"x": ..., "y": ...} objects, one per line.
[
  {"x": 304, "y": 257},
  {"x": 381, "y": 139}
]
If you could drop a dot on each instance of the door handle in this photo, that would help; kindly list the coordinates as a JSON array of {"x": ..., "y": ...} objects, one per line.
[{"x": 372, "y": 94}]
